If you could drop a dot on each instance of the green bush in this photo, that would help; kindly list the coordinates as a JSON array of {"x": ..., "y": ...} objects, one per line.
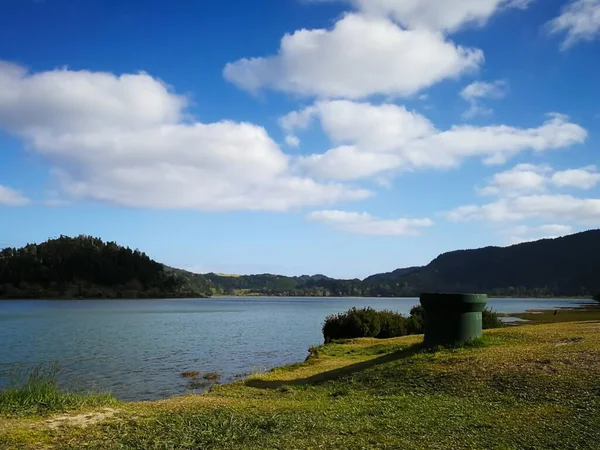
[
  {"x": 491, "y": 319},
  {"x": 367, "y": 322},
  {"x": 416, "y": 320},
  {"x": 391, "y": 325}
]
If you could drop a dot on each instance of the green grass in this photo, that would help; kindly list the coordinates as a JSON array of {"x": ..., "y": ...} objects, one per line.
[
  {"x": 529, "y": 387},
  {"x": 34, "y": 392},
  {"x": 589, "y": 312}
]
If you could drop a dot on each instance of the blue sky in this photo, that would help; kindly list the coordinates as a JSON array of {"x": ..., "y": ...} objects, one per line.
[{"x": 344, "y": 137}]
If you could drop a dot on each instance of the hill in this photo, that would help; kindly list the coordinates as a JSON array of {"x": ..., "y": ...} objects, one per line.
[
  {"x": 87, "y": 267},
  {"x": 566, "y": 266}
]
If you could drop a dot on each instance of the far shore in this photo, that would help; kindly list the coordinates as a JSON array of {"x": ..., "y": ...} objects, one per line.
[{"x": 328, "y": 297}]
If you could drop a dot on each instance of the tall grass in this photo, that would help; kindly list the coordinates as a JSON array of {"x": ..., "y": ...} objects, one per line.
[{"x": 35, "y": 391}]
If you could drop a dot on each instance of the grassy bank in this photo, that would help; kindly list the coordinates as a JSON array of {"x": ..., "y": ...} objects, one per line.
[
  {"x": 587, "y": 312},
  {"x": 530, "y": 387},
  {"x": 35, "y": 392}
]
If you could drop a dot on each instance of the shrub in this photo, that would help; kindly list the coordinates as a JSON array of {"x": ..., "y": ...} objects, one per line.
[
  {"x": 491, "y": 319},
  {"x": 366, "y": 322},
  {"x": 416, "y": 321},
  {"x": 392, "y": 325}
]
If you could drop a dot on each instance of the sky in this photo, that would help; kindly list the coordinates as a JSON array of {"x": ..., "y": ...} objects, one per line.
[{"x": 342, "y": 137}]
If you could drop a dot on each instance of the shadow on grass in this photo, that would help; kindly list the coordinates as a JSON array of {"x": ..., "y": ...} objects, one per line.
[{"x": 337, "y": 373}]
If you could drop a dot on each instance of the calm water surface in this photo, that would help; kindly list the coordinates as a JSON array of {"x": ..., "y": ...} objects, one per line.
[{"x": 136, "y": 349}]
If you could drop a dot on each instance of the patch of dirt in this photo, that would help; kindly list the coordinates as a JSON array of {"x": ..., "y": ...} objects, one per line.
[
  {"x": 569, "y": 341},
  {"x": 81, "y": 420}
]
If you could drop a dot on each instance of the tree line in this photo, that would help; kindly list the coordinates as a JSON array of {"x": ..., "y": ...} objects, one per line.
[{"x": 85, "y": 267}]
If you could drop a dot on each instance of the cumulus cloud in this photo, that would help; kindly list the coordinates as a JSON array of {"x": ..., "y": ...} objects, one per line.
[
  {"x": 372, "y": 139},
  {"x": 482, "y": 89},
  {"x": 298, "y": 120},
  {"x": 530, "y": 178},
  {"x": 127, "y": 140},
  {"x": 523, "y": 178},
  {"x": 365, "y": 223},
  {"x": 475, "y": 92},
  {"x": 524, "y": 233},
  {"x": 585, "y": 178},
  {"x": 543, "y": 207},
  {"x": 12, "y": 197},
  {"x": 447, "y": 15},
  {"x": 360, "y": 56},
  {"x": 579, "y": 21},
  {"x": 556, "y": 229},
  {"x": 550, "y": 228}
]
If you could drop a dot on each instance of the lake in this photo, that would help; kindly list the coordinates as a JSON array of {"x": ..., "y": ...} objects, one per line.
[{"x": 137, "y": 349}]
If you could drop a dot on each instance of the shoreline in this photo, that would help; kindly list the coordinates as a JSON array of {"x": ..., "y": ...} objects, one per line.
[
  {"x": 364, "y": 393},
  {"x": 574, "y": 298}
]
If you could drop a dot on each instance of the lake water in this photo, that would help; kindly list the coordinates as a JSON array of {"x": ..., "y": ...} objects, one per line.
[{"x": 137, "y": 349}]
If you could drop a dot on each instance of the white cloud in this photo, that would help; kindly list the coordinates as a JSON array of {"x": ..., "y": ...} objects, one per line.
[
  {"x": 556, "y": 229},
  {"x": 523, "y": 178},
  {"x": 449, "y": 15},
  {"x": 481, "y": 89},
  {"x": 64, "y": 101},
  {"x": 361, "y": 56},
  {"x": 11, "y": 197},
  {"x": 292, "y": 141},
  {"x": 544, "y": 207},
  {"x": 365, "y": 223},
  {"x": 529, "y": 178},
  {"x": 474, "y": 92},
  {"x": 348, "y": 163},
  {"x": 524, "y": 233},
  {"x": 579, "y": 20},
  {"x": 298, "y": 120},
  {"x": 585, "y": 178},
  {"x": 477, "y": 110},
  {"x": 127, "y": 140},
  {"x": 370, "y": 139}
]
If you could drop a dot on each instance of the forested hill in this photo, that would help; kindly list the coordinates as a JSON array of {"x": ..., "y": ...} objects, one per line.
[
  {"x": 87, "y": 267},
  {"x": 567, "y": 266}
]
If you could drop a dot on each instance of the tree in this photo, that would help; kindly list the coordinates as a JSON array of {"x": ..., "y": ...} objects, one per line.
[{"x": 87, "y": 267}]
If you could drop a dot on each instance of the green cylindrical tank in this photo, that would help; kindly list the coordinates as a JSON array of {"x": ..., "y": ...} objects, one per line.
[{"x": 452, "y": 319}]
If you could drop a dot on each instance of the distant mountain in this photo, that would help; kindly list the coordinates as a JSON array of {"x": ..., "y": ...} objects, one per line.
[
  {"x": 391, "y": 276},
  {"x": 567, "y": 266},
  {"x": 86, "y": 267},
  {"x": 267, "y": 284}
]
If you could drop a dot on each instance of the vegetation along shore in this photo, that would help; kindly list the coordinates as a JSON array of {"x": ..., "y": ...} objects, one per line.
[{"x": 87, "y": 267}]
